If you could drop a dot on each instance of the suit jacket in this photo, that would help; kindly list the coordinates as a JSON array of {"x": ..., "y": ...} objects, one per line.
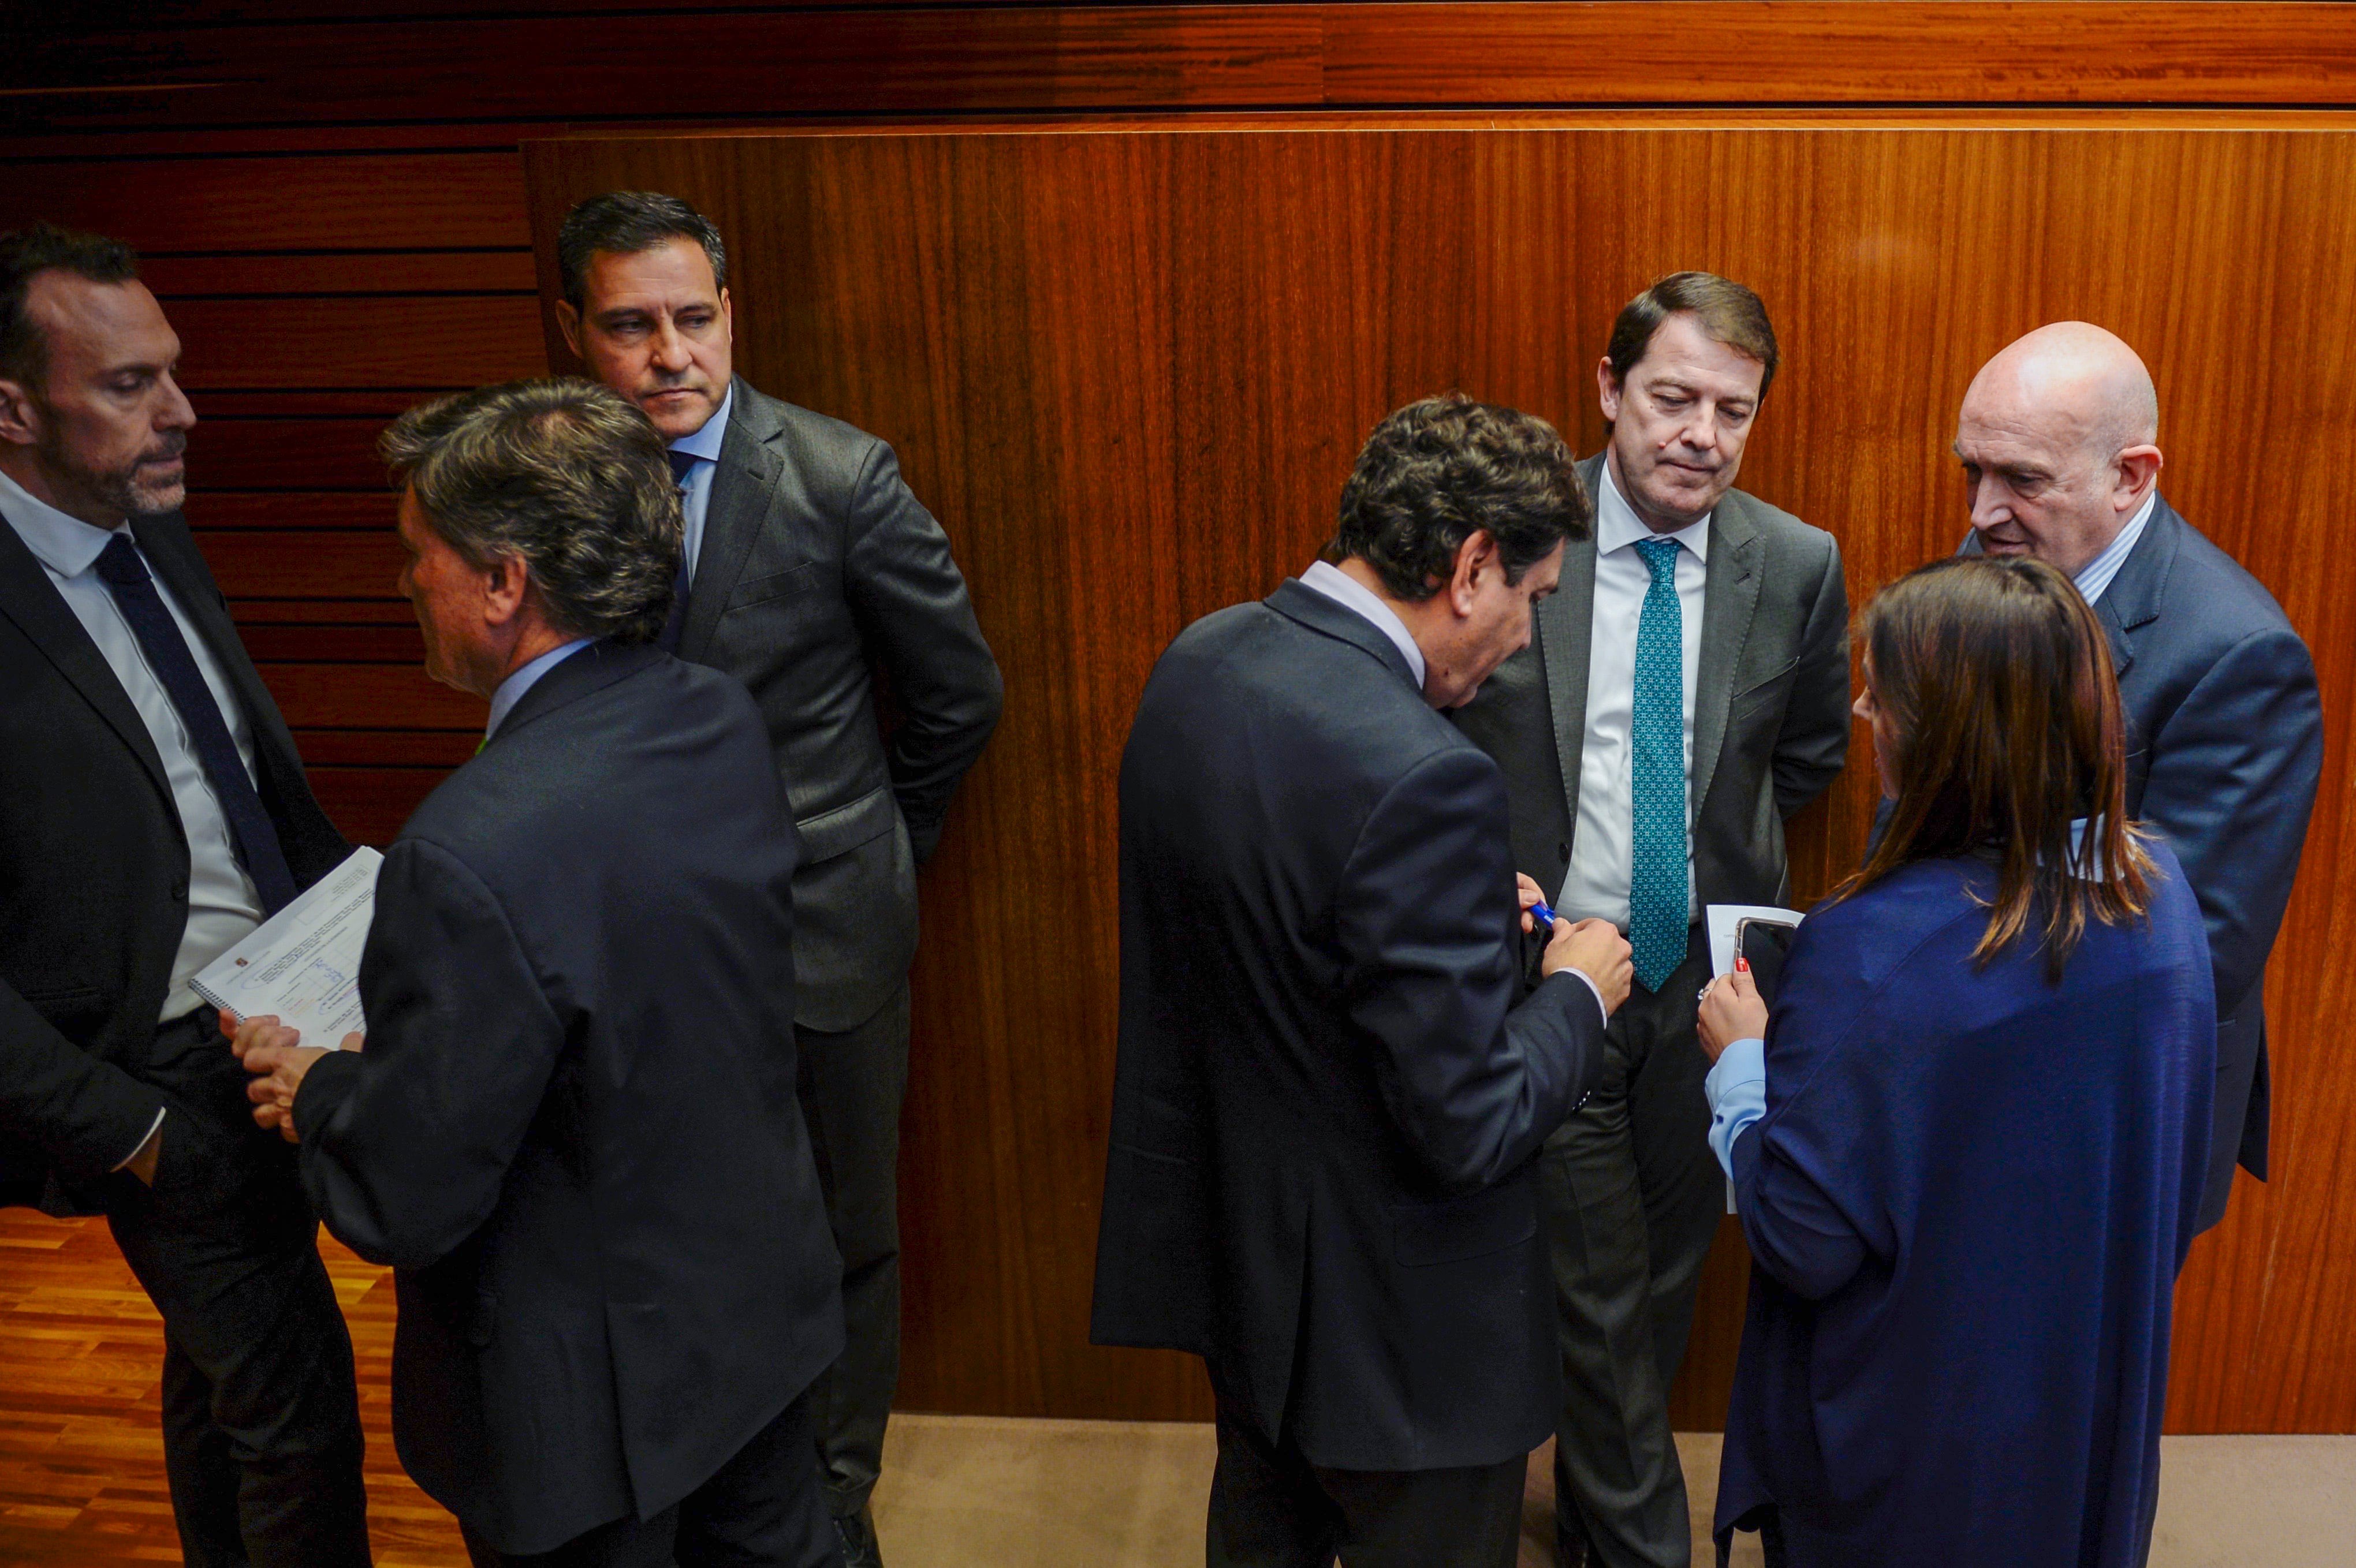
[
  {"x": 94, "y": 871},
  {"x": 574, "y": 1132},
  {"x": 1770, "y": 701},
  {"x": 2224, "y": 750},
  {"x": 818, "y": 564},
  {"x": 1326, "y": 1101}
]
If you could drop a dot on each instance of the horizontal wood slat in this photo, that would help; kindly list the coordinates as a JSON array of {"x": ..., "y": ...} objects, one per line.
[
  {"x": 255, "y": 564},
  {"x": 386, "y": 748},
  {"x": 418, "y": 201},
  {"x": 369, "y": 696},
  {"x": 371, "y": 804},
  {"x": 404, "y": 341},
  {"x": 211, "y": 510},
  {"x": 297, "y": 642},
  {"x": 262, "y": 455},
  {"x": 732, "y": 63},
  {"x": 385, "y": 272}
]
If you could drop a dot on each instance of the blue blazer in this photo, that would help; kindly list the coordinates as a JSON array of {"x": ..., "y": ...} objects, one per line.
[
  {"x": 2225, "y": 749},
  {"x": 1967, "y": 1205}
]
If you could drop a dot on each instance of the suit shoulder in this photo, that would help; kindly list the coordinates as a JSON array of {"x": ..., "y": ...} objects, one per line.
[
  {"x": 2229, "y": 604},
  {"x": 816, "y": 439},
  {"x": 1782, "y": 526}
]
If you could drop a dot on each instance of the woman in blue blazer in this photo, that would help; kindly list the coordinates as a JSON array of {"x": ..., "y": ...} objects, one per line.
[{"x": 1967, "y": 1142}]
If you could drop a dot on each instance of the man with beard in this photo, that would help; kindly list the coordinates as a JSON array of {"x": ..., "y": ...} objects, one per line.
[{"x": 157, "y": 813}]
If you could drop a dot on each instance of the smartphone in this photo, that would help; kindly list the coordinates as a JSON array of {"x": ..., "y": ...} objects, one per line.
[{"x": 1764, "y": 943}]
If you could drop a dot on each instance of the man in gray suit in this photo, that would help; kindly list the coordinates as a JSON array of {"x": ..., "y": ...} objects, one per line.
[
  {"x": 807, "y": 564},
  {"x": 1684, "y": 692},
  {"x": 2059, "y": 437}
]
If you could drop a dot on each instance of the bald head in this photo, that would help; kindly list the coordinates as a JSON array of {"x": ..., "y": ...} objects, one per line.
[{"x": 2058, "y": 437}]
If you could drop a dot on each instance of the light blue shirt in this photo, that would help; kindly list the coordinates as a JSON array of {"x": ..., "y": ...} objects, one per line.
[
  {"x": 2099, "y": 572},
  {"x": 1736, "y": 1091},
  {"x": 518, "y": 682},
  {"x": 1345, "y": 590},
  {"x": 695, "y": 492}
]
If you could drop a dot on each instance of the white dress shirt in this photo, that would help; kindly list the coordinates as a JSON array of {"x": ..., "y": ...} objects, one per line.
[
  {"x": 222, "y": 904},
  {"x": 695, "y": 492},
  {"x": 1602, "y": 850},
  {"x": 2097, "y": 573}
]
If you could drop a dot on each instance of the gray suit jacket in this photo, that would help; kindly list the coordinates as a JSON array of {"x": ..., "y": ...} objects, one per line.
[
  {"x": 1770, "y": 701},
  {"x": 818, "y": 566},
  {"x": 2225, "y": 752}
]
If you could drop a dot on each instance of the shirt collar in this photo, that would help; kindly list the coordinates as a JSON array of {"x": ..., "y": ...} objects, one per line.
[
  {"x": 1345, "y": 590},
  {"x": 63, "y": 543},
  {"x": 704, "y": 440},
  {"x": 2096, "y": 574},
  {"x": 518, "y": 682},
  {"x": 1617, "y": 526}
]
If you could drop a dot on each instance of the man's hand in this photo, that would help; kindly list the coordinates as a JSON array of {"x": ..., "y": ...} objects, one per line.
[
  {"x": 1731, "y": 1011},
  {"x": 1530, "y": 896},
  {"x": 1597, "y": 950},
  {"x": 278, "y": 1060},
  {"x": 142, "y": 1164}
]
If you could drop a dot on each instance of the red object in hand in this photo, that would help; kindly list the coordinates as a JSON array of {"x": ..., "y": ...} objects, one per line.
[{"x": 1741, "y": 964}]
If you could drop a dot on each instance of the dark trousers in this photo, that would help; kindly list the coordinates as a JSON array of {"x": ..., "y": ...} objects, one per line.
[
  {"x": 852, "y": 1085},
  {"x": 764, "y": 1509},
  {"x": 262, "y": 1432},
  {"x": 1272, "y": 1508},
  {"x": 1630, "y": 1195}
]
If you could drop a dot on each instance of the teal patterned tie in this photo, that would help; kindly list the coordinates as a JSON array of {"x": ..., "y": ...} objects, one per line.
[{"x": 1656, "y": 880}]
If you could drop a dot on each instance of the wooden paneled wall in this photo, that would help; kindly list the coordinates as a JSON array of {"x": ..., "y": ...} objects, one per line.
[{"x": 332, "y": 203}]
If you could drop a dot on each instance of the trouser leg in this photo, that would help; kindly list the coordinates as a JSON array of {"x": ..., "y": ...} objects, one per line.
[
  {"x": 1618, "y": 1287},
  {"x": 852, "y": 1085},
  {"x": 1684, "y": 1187},
  {"x": 1267, "y": 1507},
  {"x": 767, "y": 1506},
  {"x": 261, "y": 1401},
  {"x": 1466, "y": 1517}
]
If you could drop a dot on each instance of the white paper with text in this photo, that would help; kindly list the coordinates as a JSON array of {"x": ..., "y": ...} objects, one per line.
[{"x": 304, "y": 963}]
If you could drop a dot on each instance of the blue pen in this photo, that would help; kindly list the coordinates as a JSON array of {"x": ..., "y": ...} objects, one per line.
[{"x": 1546, "y": 917}]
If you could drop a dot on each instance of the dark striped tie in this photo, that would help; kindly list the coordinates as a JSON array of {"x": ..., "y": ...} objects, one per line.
[
  {"x": 124, "y": 572},
  {"x": 682, "y": 463}
]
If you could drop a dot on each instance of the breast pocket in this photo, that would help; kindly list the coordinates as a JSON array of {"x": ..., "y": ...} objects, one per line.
[
  {"x": 1770, "y": 691},
  {"x": 773, "y": 587}
]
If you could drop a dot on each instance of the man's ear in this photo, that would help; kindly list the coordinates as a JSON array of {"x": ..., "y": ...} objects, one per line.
[
  {"x": 20, "y": 419},
  {"x": 568, "y": 322},
  {"x": 1607, "y": 388},
  {"x": 506, "y": 581},
  {"x": 728, "y": 315},
  {"x": 2137, "y": 467},
  {"x": 1478, "y": 551}
]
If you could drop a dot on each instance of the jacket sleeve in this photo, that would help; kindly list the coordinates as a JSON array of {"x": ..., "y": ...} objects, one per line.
[
  {"x": 1426, "y": 915},
  {"x": 87, "y": 1115},
  {"x": 2231, "y": 782},
  {"x": 1814, "y": 743},
  {"x": 406, "y": 1144},
  {"x": 904, "y": 586}
]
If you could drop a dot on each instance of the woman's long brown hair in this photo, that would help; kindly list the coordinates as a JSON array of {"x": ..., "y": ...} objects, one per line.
[{"x": 1996, "y": 681}]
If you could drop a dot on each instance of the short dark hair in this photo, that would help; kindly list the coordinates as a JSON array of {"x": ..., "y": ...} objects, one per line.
[
  {"x": 25, "y": 253},
  {"x": 1995, "y": 679},
  {"x": 1724, "y": 309},
  {"x": 1439, "y": 471},
  {"x": 625, "y": 222},
  {"x": 565, "y": 474}
]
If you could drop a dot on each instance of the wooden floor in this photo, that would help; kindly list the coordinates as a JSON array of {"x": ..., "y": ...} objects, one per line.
[{"x": 81, "y": 1456}]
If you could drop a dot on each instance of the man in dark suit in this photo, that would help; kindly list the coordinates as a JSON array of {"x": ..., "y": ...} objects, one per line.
[
  {"x": 156, "y": 812},
  {"x": 2057, "y": 436},
  {"x": 1685, "y": 692},
  {"x": 573, "y": 1131},
  {"x": 1327, "y": 1097},
  {"x": 806, "y": 564}
]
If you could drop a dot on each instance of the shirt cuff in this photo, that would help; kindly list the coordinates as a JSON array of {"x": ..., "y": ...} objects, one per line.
[
  {"x": 1736, "y": 1091},
  {"x": 151, "y": 1128}
]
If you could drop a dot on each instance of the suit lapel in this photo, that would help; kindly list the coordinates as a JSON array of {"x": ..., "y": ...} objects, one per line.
[
  {"x": 32, "y": 601},
  {"x": 2132, "y": 601},
  {"x": 1729, "y": 601},
  {"x": 1563, "y": 628},
  {"x": 743, "y": 488}
]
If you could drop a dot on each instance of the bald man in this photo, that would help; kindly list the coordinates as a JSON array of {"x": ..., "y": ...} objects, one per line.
[{"x": 2059, "y": 440}]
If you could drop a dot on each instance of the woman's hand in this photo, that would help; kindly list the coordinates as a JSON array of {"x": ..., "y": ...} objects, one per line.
[{"x": 1731, "y": 1011}]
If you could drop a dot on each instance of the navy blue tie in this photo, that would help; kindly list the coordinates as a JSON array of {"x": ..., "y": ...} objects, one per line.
[
  {"x": 682, "y": 463},
  {"x": 251, "y": 830}
]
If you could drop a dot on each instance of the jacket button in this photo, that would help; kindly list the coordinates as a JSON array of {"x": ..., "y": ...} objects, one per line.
[
  {"x": 179, "y": 889},
  {"x": 1562, "y": 853}
]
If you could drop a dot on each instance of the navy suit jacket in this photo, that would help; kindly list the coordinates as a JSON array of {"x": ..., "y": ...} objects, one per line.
[
  {"x": 2224, "y": 750},
  {"x": 573, "y": 1131},
  {"x": 1327, "y": 1101}
]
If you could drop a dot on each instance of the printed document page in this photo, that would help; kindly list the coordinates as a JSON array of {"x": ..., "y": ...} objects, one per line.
[{"x": 304, "y": 963}]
